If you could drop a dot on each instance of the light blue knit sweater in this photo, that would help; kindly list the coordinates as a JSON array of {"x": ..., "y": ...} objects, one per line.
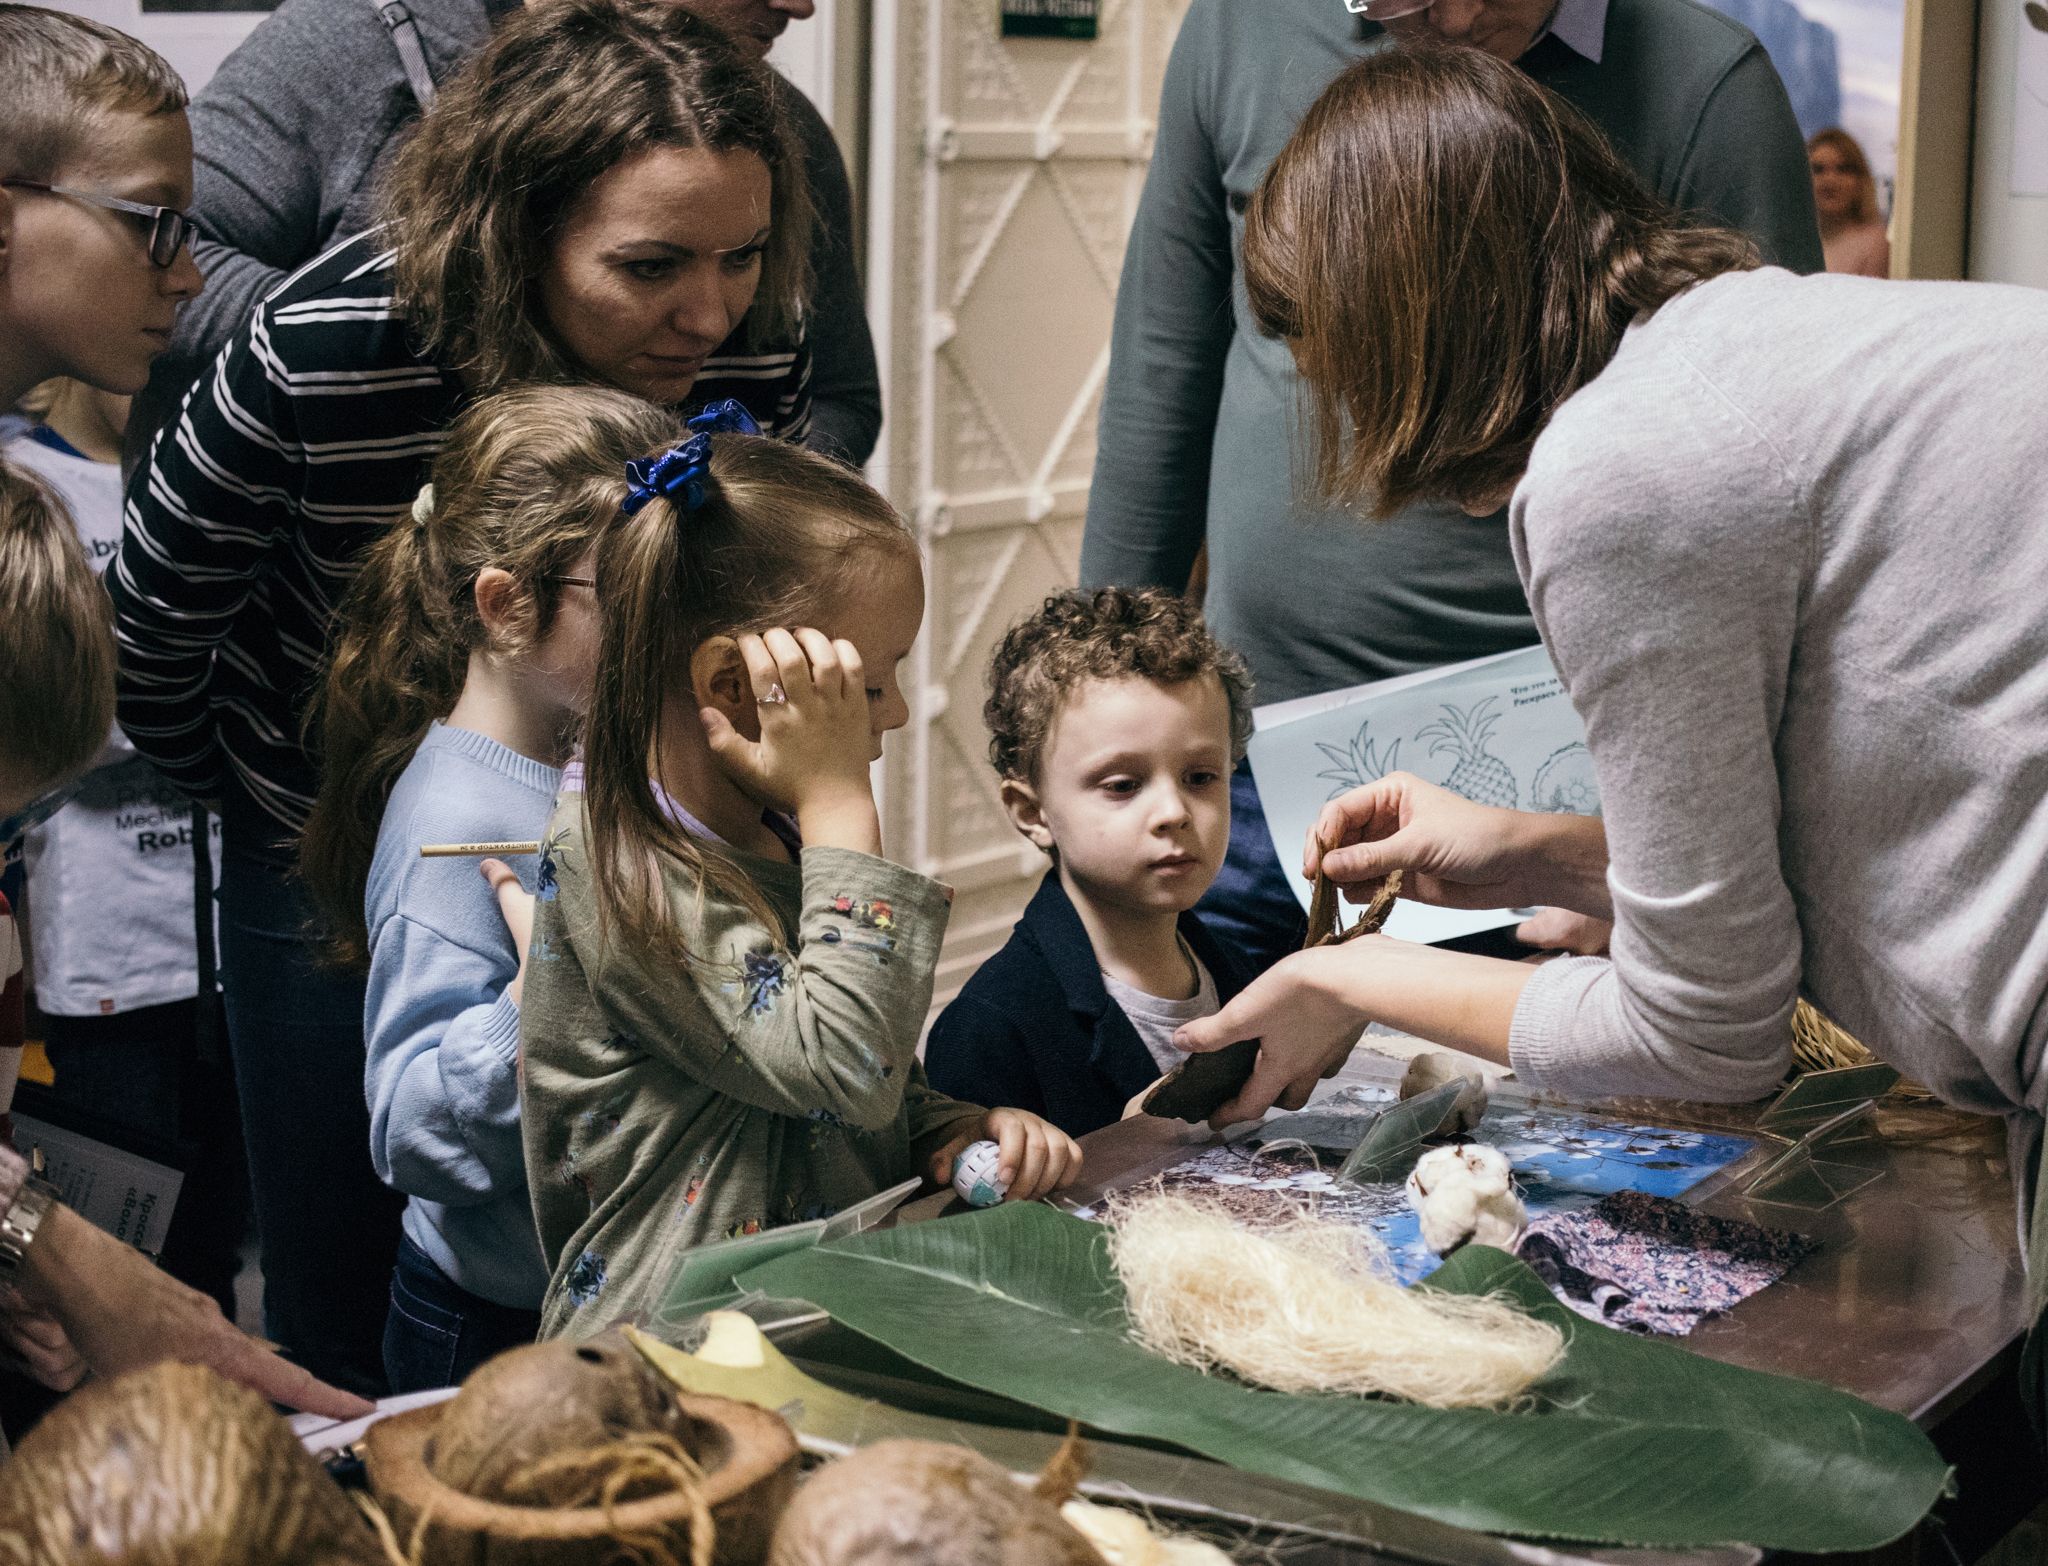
[{"x": 443, "y": 1036}]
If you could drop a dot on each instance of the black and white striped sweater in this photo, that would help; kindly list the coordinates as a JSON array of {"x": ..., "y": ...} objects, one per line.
[{"x": 310, "y": 434}]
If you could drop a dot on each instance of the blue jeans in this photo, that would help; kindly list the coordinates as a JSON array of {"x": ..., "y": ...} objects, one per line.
[
  {"x": 1251, "y": 907},
  {"x": 438, "y": 1332},
  {"x": 327, "y": 1225}
]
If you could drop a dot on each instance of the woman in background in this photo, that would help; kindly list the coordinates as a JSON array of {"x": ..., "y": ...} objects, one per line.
[{"x": 1845, "y": 195}]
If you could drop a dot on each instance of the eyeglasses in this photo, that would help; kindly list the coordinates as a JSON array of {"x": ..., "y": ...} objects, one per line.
[
  {"x": 1386, "y": 10},
  {"x": 573, "y": 581},
  {"x": 168, "y": 227}
]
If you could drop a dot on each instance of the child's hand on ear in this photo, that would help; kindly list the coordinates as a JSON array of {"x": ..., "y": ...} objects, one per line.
[
  {"x": 817, "y": 738},
  {"x": 1036, "y": 1156}
]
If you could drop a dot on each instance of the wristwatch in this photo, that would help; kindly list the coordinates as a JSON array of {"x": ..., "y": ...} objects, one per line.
[{"x": 18, "y": 1227}]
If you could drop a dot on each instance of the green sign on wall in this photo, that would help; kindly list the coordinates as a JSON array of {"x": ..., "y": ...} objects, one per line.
[{"x": 1050, "y": 18}]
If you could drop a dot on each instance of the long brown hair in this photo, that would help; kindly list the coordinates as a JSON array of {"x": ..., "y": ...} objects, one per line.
[
  {"x": 781, "y": 534},
  {"x": 1839, "y": 141},
  {"x": 528, "y": 481},
  {"x": 1451, "y": 251},
  {"x": 562, "y": 94},
  {"x": 57, "y": 648}
]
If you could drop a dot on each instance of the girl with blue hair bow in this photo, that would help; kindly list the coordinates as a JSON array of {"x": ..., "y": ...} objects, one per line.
[{"x": 727, "y": 979}]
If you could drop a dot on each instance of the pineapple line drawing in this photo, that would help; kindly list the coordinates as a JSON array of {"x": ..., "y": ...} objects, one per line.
[
  {"x": 1565, "y": 783},
  {"x": 1480, "y": 775},
  {"x": 1360, "y": 762}
]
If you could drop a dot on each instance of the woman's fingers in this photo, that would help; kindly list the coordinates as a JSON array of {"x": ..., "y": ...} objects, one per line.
[
  {"x": 1242, "y": 1018},
  {"x": 1359, "y": 813},
  {"x": 256, "y": 1368},
  {"x": 1374, "y": 861}
]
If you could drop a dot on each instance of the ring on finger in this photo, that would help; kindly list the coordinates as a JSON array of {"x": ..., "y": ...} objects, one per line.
[{"x": 776, "y": 696}]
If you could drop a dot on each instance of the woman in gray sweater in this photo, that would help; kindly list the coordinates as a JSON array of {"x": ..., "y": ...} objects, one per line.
[{"x": 1786, "y": 539}]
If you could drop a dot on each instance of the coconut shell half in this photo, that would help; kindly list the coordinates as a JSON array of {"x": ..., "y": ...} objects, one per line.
[
  {"x": 169, "y": 1466},
  {"x": 461, "y": 1464}
]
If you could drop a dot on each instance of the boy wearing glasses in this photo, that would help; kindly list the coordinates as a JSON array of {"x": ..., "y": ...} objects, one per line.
[
  {"x": 95, "y": 170},
  {"x": 95, "y": 174}
]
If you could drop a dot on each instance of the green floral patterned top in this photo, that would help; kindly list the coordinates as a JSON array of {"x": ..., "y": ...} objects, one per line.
[{"x": 764, "y": 1086}]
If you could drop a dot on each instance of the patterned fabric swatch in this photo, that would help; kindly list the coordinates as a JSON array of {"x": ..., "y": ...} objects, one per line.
[{"x": 1653, "y": 1265}]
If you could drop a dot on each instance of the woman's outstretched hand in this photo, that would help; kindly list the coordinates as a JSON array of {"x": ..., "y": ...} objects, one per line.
[
  {"x": 121, "y": 1313},
  {"x": 817, "y": 737},
  {"x": 1306, "y": 1024},
  {"x": 1308, "y": 1010}
]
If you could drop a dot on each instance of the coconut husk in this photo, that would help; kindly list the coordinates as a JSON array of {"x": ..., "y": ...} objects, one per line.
[
  {"x": 1323, "y": 912},
  {"x": 169, "y": 1466},
  {"x": 580, "y": 1454}
]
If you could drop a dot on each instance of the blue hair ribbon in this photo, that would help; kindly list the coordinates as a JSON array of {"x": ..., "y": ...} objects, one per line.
[{"x": 678, "y": 474}]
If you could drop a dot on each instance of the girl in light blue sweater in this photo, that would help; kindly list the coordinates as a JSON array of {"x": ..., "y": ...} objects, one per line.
[{"x": 449, "y": 708}]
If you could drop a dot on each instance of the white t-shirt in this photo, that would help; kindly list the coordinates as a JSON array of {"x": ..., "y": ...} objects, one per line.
[
  {"x": 109, "y": 877},
  {"x": 1157, "y": 1019}
]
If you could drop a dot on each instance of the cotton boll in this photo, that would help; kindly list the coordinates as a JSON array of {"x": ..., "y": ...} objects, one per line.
[{"x": 1465, "y": 1195}]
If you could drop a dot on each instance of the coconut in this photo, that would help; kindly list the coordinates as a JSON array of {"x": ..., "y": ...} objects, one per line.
[
  {"x": 923, "y": 1503},
  {"x": 169, "y": 1466},
  {"x": 525, "y": 1406}
]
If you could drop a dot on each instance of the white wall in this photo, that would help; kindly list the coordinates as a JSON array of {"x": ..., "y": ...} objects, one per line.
[
  {"x": 195, "y": 44},
  {"x": 2008, "y": 233}
]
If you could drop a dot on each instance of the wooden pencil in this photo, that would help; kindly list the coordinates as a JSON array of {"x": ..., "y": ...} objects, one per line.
[{"x": 474, "y": 850}]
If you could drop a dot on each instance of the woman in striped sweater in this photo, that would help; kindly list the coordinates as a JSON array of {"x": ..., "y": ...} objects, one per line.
[{"x": 607, "y": 193}]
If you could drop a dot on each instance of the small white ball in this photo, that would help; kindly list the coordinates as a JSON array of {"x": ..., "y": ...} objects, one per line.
[{"x": 974, "y": 1175}]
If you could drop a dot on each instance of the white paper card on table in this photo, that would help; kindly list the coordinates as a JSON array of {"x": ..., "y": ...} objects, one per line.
[
  {"x": 129, "y": 1196},
  {"x": 1498, "y": 730}
]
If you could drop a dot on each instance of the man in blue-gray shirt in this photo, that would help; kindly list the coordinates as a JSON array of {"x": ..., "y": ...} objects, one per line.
[{"x": 1198, "y": 442}]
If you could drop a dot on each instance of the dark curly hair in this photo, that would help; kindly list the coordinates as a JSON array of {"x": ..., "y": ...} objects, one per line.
[{"x": 1110, "y": 633}]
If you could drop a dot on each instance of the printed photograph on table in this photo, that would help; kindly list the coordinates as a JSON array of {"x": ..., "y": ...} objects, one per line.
[{"x": 1563, "y": 1160}]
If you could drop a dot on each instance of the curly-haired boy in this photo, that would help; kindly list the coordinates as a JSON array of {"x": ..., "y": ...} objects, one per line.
[{"x": 1115, "y": 718}]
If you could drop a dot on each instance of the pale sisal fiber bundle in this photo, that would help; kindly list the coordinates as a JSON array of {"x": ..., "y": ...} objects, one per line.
[{"x": 1306, "y": 1306}]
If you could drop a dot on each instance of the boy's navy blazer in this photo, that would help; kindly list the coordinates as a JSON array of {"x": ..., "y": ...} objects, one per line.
[{"x": 1035, "y": 1028}]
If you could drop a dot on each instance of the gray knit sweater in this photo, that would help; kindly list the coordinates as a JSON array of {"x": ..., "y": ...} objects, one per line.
[
  {"x": 289, "y": 136},
  {"x": 1790, "y": 552}
]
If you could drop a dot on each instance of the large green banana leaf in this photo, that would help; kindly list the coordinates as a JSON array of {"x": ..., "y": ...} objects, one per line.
[{"x": 1631, "y": 1441}]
